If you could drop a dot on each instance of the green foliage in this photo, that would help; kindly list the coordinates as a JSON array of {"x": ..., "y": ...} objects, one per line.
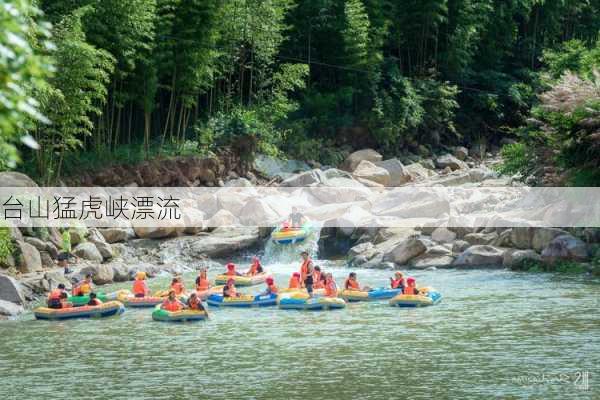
[
  {"x": 6, "y": 244},
  {"x": 561, "y": 267},
  {"x": 516, "y": 159},
  {"x": 23, "y": 67}
]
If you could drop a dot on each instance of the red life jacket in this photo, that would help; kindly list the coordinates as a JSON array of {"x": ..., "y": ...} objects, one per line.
[
  {"x": 397, "y": 283},
  {"x": 351, "y": 285},
  {"x": 140, "y": 287},
  {"x": 294, "y": 283},
  {"x": 273, "y": 289},
  {"x": 171, "y": 305},
  {"x": 330, "y": 289},
  {"x": 409, "y": 290},
  {"x": 55, "y": 294},
  {"x": 178, "y": 288},
  {"x": 202, "y": 284},
  {"x": 304, "y": 269}
]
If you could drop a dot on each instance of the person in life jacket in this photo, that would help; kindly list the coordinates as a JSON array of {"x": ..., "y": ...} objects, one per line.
[
  {"x": 318, "y": 278},
  {"x": 397, "y": 282},
  {"x": 195, "y": 303},
  {"x": 295, "y": 281},
  {"x": 231, "y": 270},
  {"x": 84, "y": 287},
  {"x": 306, "y": 272},
  {"x": 271, "y": 288},
  {"x": 171, "y": 303},
  {"x": 352, "y": 283},
  {"x": 296, "y": 219},
  {"x": 55, "y": 295},
  {"x": 64, "y": 300},
  {"x": 94, "y": 301},
  {"x": 140, "y": 287},
  {"x": 255, "y": 267},
  {"x": 177, "y": 286},
  {"x": 330, "y": 286},
  {"x": 229, "y": 289},
  {"x": 202, "y": 282},
  {"x": 411, "y": 286}
]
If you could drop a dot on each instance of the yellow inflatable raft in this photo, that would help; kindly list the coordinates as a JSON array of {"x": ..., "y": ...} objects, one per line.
[{"x": 241, "y": 280}]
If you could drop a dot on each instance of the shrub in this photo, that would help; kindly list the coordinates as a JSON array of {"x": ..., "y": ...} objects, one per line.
[
  {"x": 6, "y": 244},
  {"x": 515, "y": 159}
]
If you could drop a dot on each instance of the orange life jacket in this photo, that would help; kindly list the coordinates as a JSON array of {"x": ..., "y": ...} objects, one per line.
[
  {"x": 409, "y": 290},
  {"x": 82, "y": 289},
  {"x": 194, "y": 304},
  {"x": 140, "y": 287},
  {"x": 397, "y": 283},
  {"x": 294, "y": 283},
  {"x": 232, "y": 291},
  {"x": 351, "y": 284},
  {"x": 304, "y": 269},
  {"x": 316, "y": 277},
  {"x": 330, "y": 289},
  {"x": 273, "y": 289},
  {"x": 171, "y": 305},
  {"x": 202, "y": 284},
  {"x": 55, "y": 294},
  {"x": 178, "y": 288},
  {"x": 318, "y": 284}
]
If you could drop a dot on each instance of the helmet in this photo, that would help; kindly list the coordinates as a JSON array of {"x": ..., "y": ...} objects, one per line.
[
  {"x": 140, "y": 275},
  {"x": 231, "y": 266},
  {"x": 296, "y": 274},
  {"x": 269, "y": 281},
  {"x": 410, "y": 280}
]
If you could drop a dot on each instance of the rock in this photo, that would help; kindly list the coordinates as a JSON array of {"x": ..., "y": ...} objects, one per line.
[
  {"x": 480, "y": 255},
  {"x": 16, "y": 179},
  {"x": 355, "y": 158},
  {"x": 47, "y": 261},
  {"x": 514, "y": 257},
  {"x": 398, "y": 174},
  {"x": 369, "y": 183},
  {"x": 29, "y": 259},
  {"x": 97, "y": 239},
  {"x": 101, "y": 274},
  {"x": 443, "y": 235},
  {"x": 78, "y": 235},
  {"x": 308, "y": 178},
  {"x": 54, "y": 278},
  {"x": 438, "y": 250},
  {"x": 503, "y": 239},
  {"x": 461, "y": 153},
  {"x": 450, "y": 161},
  {"x": 222, "y": 218},
  {"x": 427, "y": 163},
  {"x": 193, "y": 220},
  {"x": 428, "y": 261},
  {"x": 333, "y": 173},
  {"x": 120, "y": 272},
  {"x": 565, "y": 247},
  {"x": 239, "y": 182},
  {"x": 423, "y": 151},
  {"x": 10, "y": 290},
  {"x": 272, "y": 167},
  {"x": 88, "y": 251},
  {"x": 459, "y": 246},
  {"x": 542, "y": 237},
  {"x": 224, "y": 241},
  {"x": 368, "y": 170},
  {"x": 257, "y": 212},
  {"x": 359, "y": 249},
  {"x": 115, "y": 235},
  {"x": 157, "y": 232},
  {"x": 418, "y": 172},
  {"x": 521, "y": 237},
  {"x": 480, "y": 238},
  {"x": 9, "y": 309},
  {"x": 481, "y": 174},
  {"x": 406, "y": 250}
]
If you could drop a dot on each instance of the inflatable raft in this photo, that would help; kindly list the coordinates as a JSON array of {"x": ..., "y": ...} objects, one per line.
[
  {"x": 371, "y": 295},
  {"x": 107, "y": 309},
  {"x": 426, "y": 297},
  {"x": 241, "y": 280},
  {"x": 291, "y": 235},
  {"x": 178, "y": 316},
  {"x": 301, "y": 301},
  {"x": 217, "y": 300},
  {"x": 137, "y": 302},
  {"x": 203, "y": 294},
  {"x": 79, "y": 301}
]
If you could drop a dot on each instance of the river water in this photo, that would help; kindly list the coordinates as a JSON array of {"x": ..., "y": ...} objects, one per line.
[{"x": 496, "y": 334}]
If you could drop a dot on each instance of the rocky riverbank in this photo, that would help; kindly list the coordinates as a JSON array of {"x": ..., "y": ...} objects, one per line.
[{"x": 115, "y": 254}]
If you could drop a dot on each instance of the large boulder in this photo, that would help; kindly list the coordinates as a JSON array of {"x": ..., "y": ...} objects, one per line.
[
  {"x": 47, "y": 261},
  {"x": 194, "y": 220},
  {"x": 88, "y": 251},
  {"x": 481, "y": 255},
  {"x": 567, "y": 248},
  {"x": 16, "y": 179},
  {"x": 224, "y": 241},
  {"x": 461, "y": 153},
  {"x": 78, "y": 235},
  {"x": 448, "y": 160},
  {"x": 480, "y": 238},
  {"x": 258, "y": 213},
  {"x": 120, "y": 272},
  {"x": 522, "y": 237},
  {"x": 155, "y": 232},
  {"x": 56, "y": 277},
  {"x": 238, "y": 182},
  {"x": 542, "y": 237},
  {"x": 426, "y": 260},
  {"x": 459, "y": 246},
  {"x": 443, "y": 235},
  {"x": 398, "y": 174},
  {"x": 222, "y": 218},
  {"x": 418, "y": 172},
  {"x": 369, "y": 171},
  {"x": 97, "y": 239},
  {"x": 308, "y": 178},
  {"x": 10, "y": 290},
  {"x": 406, "y": 250},
  {"x": 9, "y": 309},
  {"x": 29, "y": 259},
  {"x": 514, "y": 257},
  {"x": 355, "y": 158},
  {"x": 101, "y": 274},
  {"x": 115, "y": 235}
]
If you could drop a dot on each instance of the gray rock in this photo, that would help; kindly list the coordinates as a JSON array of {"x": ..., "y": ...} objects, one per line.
[
  {"x": 308, "y": 178},
  {"x": 427, "y": 261},
  {"x": 35, "y": 242},
  {"x": 461, "y": 153},
  {"x": 9, "y": 309},
  {"x": 239, "y": 182},
  {"x": 359, "y": 249},
  {"x": 98, "y": 240},
  {"x": 101, "y": 274},
  {"x": 480, "y": 238},
  {"x": 88, "y": 251},
  {"x": 406, "y": 250},
  {"x": 565, "y": 247},
  {"x": 542, "y": 237},
  {"x": 156, "y": 232},
  {"x": 355, "y": 158},
  {"x": 513, "y": 257},
  {"x": 114, "y": 235},
  {"x": 522, "y": 237},
  {"x": 16, "y": 179},
  {"x": 369, "y": 171},
  {"x": 54, "y": 278},
  {"x": 418, "y": 172},
  {"x": 427, "y": 163},
  {"x": 29, "y": 259},
  {"x": 223, "y": 241},
  {"x": 78, "y": 235},
  {"x": 450, "y": 161},
  {"x": 333, "y": 173},
  {"x": 459, "y": 246},
  {"x": 10, "y": 290},
  {"x": 480, "y": 255},
  {"x": 47, "y": 261},
  {"x": 398, "y": 174},
  {"x": 443, "y": 235},
  {"x": 481, "y": 174},
  {"x": 120, "y": 272}
]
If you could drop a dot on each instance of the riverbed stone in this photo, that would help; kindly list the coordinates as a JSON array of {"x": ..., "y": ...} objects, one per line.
[
  {"x": 120, "y": 271},
  {"x": 521, "y": 237},
  {"x": 360, "y": 249},
  {"x": 88, "y": 251},
  {"x": 542, "y": 237},
  {"x": 448, "y": 160},
  {"x": 406, "y": 250},
  {"x": 418, "y": 172},
  {"x": 308, "y": 178},
  {"x": 480, "y": 238},
  {"x": 352, "y": 161},
  {"x": 16, "y": 179},
  {"x": 459, "y": 246},
  {"x": 11, "y": 290},
  {"x": 426, "y": 261},
  {"x": 565, "y": 247},
  {"x": 115, "y": 235},
  {"x": 9, "y": 309},
  {"x": 29, "y": 259},
  {"x": 443, "y": 235},
  {"x": 480, "y": 255},
  {"x": 155, "y": 232},
  {"x": 222, "y": 218},
  {"x": 398, "y": 174},
  {"x": 513, "y": 257},
  {"x": 56, "y": 277},
  {"x": 461, "y": 153},
  {"x": 224, "y": 241},
  {"x": 369, "y": 171}
]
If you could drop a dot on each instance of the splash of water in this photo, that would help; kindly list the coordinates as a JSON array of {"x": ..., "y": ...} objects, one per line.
[{"x": 287, "y": 253}]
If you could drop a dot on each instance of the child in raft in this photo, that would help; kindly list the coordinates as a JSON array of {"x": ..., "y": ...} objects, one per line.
[
  {"x": 330, "y": 286},
  {"x": 352, "y": 283},
  {"x": 229, "y": 289},
  {"x": 195, "y": 303},
  {"x": 231, "y": 270},
  {"x": 177, "y": 286},
  {"x": 295, "y": 281},
  {"x": 84, "y": 287},
  {"x": 171, "y": 303},
  {"x": 202, "y": 282},
  {"x": 318, "y": 278},
  {"x": 140, "y": 287},
  {"x": 255, "y": 268},
  {"x": 94, "y": 300},
  {"x": 271, "y": 288},
  {"x": 64, "y": 300},
  {"x": 397, "y": 282},
  {"x": 411, "y": 286},
  {"x": 55, "y": 296}
]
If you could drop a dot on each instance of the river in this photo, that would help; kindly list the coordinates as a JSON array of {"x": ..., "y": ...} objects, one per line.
[{"x": 496, "y": 334}]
